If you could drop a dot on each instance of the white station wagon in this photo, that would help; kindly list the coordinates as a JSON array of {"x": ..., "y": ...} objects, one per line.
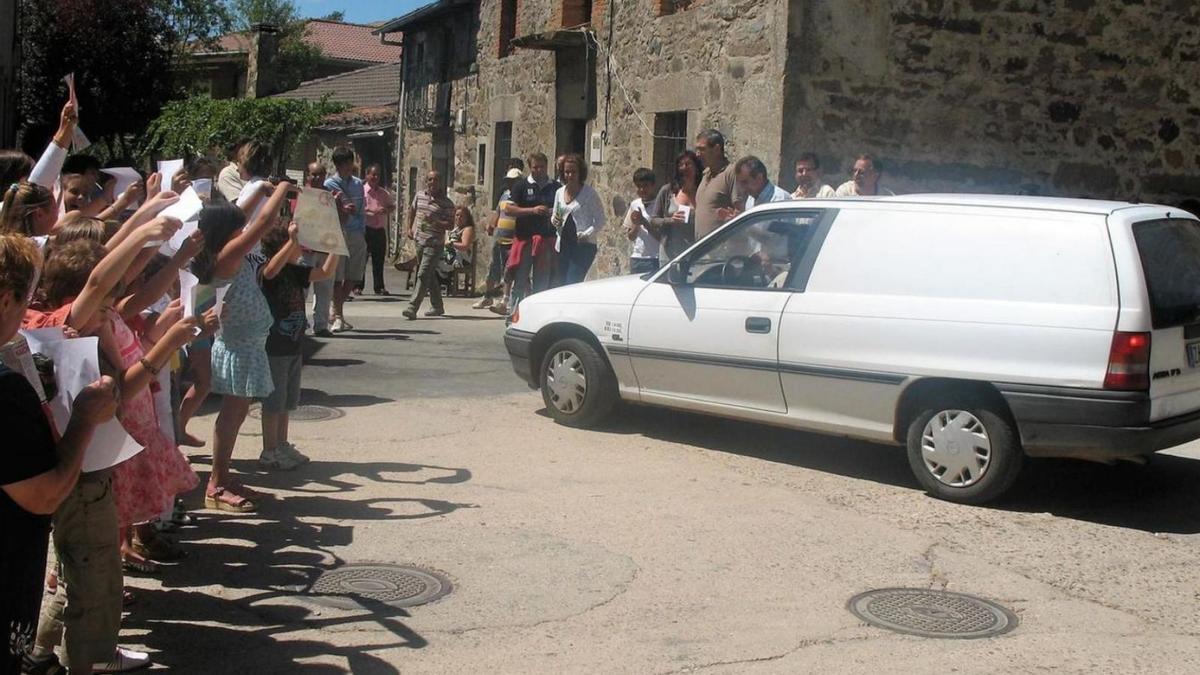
[{"x": 973, "y": 329}]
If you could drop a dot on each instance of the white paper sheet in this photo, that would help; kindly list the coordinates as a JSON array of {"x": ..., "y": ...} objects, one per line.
[
  {"x": 125, "y": 175},
  {"x": 320, "y": 227},
  {"x": 17, "y": 356},
  {"x": 202, "y": 297},
  {"x": 79, "y": 141},
  {"x": 685, "y": 211},
  {"x": 187, "y": 208},
  {"x": 76, "y": 365},
  {"x": 162, "y": 403},
  {"x": 167, "y": 168},
  {"x": 187, "y": 281}
]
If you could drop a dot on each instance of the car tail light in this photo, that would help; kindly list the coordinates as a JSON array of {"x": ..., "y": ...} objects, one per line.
[
  {"x": 516, "y": 315},
  {"x": 1129, "y": 362}
]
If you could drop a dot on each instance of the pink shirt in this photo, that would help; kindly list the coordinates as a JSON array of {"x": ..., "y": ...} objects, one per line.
[{"x": 378, "y": 202}]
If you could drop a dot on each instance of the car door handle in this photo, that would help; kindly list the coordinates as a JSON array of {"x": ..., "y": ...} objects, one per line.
[{"x": 758, "y": 324}]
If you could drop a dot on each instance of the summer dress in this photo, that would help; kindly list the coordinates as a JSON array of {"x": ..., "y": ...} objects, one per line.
[
  {"x": 145, "y": 484},
  {"x": 239, "y": 354}
]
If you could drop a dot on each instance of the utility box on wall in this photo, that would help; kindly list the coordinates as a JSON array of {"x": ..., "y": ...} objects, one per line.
[{"x": 596, "y": 148}]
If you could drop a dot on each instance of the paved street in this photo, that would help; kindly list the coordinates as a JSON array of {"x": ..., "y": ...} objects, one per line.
[{"x": 664, "y": 543}]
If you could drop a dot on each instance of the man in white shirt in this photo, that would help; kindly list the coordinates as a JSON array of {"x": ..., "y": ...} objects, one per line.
[
  {"x": 752, "y": 181},
  {"x": 809, "y": 183},
  {"x": 864, "y": 179}
]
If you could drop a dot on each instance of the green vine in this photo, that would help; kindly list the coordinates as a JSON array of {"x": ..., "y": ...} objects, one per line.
[{"x": 201, "y": 125}]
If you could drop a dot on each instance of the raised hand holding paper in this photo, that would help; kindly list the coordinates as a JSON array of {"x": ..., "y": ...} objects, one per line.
[
  {"x": 320, "y": 227},
  {"x": 76, "y": 365},
  {"x": 125, "y": 176},
  {"x": 167, "y": 168},
  {"x": 186, "y": 210}
]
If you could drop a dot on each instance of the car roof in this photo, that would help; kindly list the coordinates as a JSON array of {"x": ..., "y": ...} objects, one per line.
[{"x": 1091, "y": 206}]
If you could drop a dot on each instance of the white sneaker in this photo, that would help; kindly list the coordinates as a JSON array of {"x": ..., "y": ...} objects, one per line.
[
  {"x": 289, "y": 449},
  {"x": 278, "y": 458},
  {"x": 483, "y": 303},
  {"x": 123, "y": 661},
  {"x": 338, "y": 325}
]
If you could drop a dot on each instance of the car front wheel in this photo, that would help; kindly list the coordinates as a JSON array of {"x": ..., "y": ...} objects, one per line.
[
  {"x": 578, "y": 387},
  {"x": 968, "y": 453}
]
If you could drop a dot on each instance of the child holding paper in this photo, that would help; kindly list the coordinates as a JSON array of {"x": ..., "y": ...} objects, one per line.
[
  {"x": 79, "y": 285},
  {"x": 240, "y": 369},
  {"x": 40, "y": 470},
  {"x": 284, "y": 282}
]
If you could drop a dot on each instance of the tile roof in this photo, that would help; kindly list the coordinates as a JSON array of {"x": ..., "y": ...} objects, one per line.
[
  {"x": 370, "y": 87},
  {"x": 343, "y": 41}
]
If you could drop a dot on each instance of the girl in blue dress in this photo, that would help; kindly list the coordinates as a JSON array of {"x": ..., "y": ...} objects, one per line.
[{"x": 240, "y": 369}]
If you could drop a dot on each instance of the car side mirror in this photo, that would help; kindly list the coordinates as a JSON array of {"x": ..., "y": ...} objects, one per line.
[{"x": 677, "y": 273}]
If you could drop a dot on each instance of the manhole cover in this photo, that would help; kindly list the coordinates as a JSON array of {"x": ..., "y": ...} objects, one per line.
[
  {"x": 305, "y": 413},
  {"x": 940, "y": 614},
  {"x": 395, "y": 585}
]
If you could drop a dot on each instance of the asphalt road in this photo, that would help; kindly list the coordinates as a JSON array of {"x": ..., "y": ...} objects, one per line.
[{"x": 663, "y": 543}]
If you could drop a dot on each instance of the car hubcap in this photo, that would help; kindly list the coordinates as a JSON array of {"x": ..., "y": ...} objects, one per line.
[
  {"x": 956, "y": 448},
  {"x": 566, "y": 381}
]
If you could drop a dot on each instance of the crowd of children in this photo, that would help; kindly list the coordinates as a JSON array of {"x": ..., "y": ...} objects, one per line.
[{"x": 78, "y": 262}]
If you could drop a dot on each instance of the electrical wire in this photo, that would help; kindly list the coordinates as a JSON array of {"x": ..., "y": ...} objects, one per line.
[{"x": 615, "y": 74}]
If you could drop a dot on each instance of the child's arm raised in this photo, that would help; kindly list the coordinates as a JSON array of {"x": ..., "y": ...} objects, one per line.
[
  {"x": 112, "y": 267},
  {"x": 158, "y": 285},
  {"x": 286, "y": 254},
  {"x": 230, "y": 257},
  {"x": 326, "y": 270}
]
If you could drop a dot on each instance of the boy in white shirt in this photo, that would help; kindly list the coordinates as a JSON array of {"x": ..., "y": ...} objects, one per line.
[{"x": 637, "y": 220}]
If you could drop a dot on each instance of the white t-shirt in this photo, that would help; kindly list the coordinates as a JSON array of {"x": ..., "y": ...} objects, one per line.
[{"x": 645, "y": 246}]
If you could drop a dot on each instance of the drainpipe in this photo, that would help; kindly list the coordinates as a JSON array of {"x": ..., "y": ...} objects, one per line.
[{"x": 401, "y": 212}]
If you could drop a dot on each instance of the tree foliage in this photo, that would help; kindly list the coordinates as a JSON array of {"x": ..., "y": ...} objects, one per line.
[
  {"x": 120, "y": 52},
  {"x": 202, "y": 125}
]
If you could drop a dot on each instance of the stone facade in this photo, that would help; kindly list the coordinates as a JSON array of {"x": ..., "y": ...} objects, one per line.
[{"x": 1056, "y": 97}]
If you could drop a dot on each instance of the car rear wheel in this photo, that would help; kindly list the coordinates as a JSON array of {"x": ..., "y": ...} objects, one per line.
[
  {"x": 578, "y": 387},
  {"x": 966, "y": 452}
]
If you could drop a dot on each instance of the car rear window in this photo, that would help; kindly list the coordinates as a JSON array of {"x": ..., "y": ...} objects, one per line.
[{"x": 1170, "y": 253}]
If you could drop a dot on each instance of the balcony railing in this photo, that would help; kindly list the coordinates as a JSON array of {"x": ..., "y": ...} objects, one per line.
[{"x": 427, "y": 106}]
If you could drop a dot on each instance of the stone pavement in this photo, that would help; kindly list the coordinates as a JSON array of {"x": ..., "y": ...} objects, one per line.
[{"x": 663, "y": 543}]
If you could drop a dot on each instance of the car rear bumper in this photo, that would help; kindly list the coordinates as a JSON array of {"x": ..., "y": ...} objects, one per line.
[
  {"x": 519, "y": 344},
  {"x": 1094, "y": 424}
]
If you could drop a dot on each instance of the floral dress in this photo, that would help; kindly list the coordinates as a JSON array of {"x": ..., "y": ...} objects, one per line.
[
  {"x": 239, "y": 354},
  {"x": 146, "y": 484}
]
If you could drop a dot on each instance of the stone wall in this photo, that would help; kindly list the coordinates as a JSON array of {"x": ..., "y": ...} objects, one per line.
[{"x": 1058, "y": 97}]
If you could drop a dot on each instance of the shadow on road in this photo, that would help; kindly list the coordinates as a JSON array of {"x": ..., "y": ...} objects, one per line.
[
  {"x": 318, "y": 397},
  {"x": 263, "y": 562},
  {"x": 1160, "y": 497},
  {"x": 333, "y": 363}
]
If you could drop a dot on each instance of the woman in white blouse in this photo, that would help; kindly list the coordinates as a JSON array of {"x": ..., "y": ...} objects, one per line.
[{"x": 578, "y": 216}]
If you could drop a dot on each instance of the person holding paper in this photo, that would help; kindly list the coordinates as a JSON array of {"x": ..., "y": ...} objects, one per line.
[
  {"x": 37, "y": 472},
  {"x": 314, "y": 177},
  {"x": 637, "y": 224},
  {"x": 351, "y": 197},
  {"x": 241, "y": 371},
  {"x": 29, "y": 209},
  {"x": 673, "y": 214},
  {"x": 284, "y": 281}
]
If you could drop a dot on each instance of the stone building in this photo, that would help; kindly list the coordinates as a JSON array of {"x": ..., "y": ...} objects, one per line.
[{"x": 1089, "y": 98}]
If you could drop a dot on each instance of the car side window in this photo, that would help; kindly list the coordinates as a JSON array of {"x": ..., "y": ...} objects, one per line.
[{"x": 759, "y": 252}]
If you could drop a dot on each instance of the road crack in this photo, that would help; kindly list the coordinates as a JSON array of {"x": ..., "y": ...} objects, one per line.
[{"x": 803, "y": 644}]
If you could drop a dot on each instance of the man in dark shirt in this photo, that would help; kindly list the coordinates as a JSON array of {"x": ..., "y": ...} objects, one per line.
[
  {"x": 531, "y": 258},
  {"x": 36, "y": 472}
]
